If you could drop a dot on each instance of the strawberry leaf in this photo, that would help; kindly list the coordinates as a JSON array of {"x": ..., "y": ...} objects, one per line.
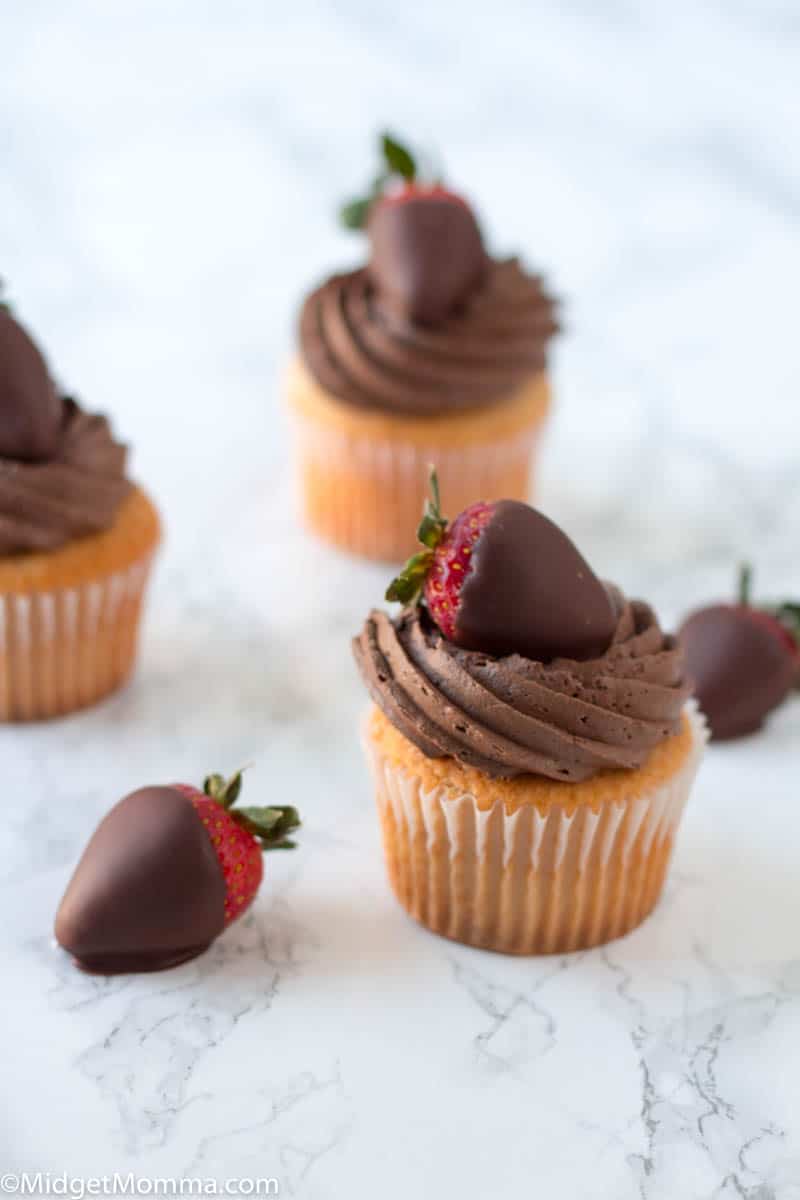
[
  {"x": 224, "y": 791},
  {"x": 431, "y": 528},
  {"x": 353, "y": 215},
  {"x": 398, "y": 158},
  {"x": 270, "y": 824},
  {"x": 214, "y": 786},
  {"x": 408, "y": 584},
  {"x": 232, "y": 790}
]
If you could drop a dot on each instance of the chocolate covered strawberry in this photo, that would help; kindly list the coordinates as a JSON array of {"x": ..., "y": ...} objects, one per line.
[
  {"x": 165, "y": 872},
  {"x": 743, "y": 660},
  {"x": 426, "y": 250},
  {"x": 31, "y": 411},
  {"x": 504, "y": 579}
]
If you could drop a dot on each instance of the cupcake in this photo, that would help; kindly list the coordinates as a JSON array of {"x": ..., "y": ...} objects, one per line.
[
  {"x": 431, "y": 352},
  {"x": 76, "y": 542},
  {"x": 532, "y": 738}
]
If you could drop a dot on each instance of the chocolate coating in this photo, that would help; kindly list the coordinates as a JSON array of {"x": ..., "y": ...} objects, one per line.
[
  {"x": 529, "y": 591},
  {"x": 565, "y": 720},
  {"x": 367, "y": 355},
  {"x": 740, "y": 668},
  {"x": 148, "y": 892},
  {"x": 427, "y": 255},
  {"x": 30, "y": 409},
  {"x": 44, "y": 505}
]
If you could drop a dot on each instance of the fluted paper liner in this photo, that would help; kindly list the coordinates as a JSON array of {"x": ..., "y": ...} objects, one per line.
[
  {"x": 363, "y": 477},
  {"x": 529, "y": 881},
  {"x": 65, "y": 646}
]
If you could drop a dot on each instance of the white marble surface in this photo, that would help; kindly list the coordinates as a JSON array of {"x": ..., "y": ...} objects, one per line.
[{"x": 168, "y": 176}]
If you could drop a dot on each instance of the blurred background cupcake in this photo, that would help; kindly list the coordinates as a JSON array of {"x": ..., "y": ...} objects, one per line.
[
  {"x": 432, "y": 351},
  {"x": 76, "y": 543}
]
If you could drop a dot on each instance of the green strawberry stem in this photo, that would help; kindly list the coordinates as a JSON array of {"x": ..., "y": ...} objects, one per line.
[
  {"x": 397, "y": 161},
  {"x": 269, "y": 824},
  {"x": 745, "y": 584},
  {"x": 407, "y": 586},
  {"x": 433, "y": 525}
]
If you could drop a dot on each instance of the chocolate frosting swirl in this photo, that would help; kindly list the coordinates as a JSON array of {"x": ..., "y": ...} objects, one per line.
[
  {"x": 513, "y": 716},
  {"x": 78, "y": 491},
  {"x": 368, "y": 356}
]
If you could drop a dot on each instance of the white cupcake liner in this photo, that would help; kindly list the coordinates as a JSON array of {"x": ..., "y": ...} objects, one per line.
[
  {"x": 64, "y": 649},
  {"x": 530, "y": 882}
]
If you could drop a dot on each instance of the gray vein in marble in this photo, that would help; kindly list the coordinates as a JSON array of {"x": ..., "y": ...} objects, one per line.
[
  {"x": 521, "y": 1028},
  {"x": 272, "y": 1136},
  {"x": 683, "y": 1101},
  {"x": 144, "y": 1063}
]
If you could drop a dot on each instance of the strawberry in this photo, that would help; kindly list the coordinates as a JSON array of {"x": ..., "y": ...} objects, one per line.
[
  {"x": 416, "y": 190},
  {"x": 451, "y": 563},
  {"x": 239, "y": 836},
  {"x": 31, "y": 410},
  {"x": 743, "y": 660},
  {"x": 165, "y": 872},
  {"x": 426, "y": 250},
  {"x": 396, "y": 178},
  {"x": 503, "y": 579}
]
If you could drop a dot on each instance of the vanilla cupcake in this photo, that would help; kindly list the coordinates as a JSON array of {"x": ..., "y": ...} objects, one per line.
[
  {"x": 532, "y": 739},
  {"x": 76, "y": 543},
  {"x": 432, "y": 351}
]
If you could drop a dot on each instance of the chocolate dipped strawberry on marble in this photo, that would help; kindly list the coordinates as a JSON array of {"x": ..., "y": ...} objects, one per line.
[
  {"x": 744, "y": 660},
  {"x": 166, "y": 871}
]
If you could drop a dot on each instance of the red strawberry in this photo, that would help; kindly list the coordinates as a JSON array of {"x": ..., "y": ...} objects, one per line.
[
  {"x": 503, "y": 579},
  {"x": 427, "y": 254},
  {"x": 415, "y": 190},
  {"x": 239, "y": 837},
  {"x": 451, "y": 565},
  {"x": 164, "y": 873},
  {"x": 743, "y": 661}
]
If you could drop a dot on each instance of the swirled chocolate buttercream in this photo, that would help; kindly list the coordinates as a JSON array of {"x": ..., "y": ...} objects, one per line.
[
  {"x": 62, "y": 474},
  {"x": 362, "y": 350},
  {"x": 432, "y": 324},
  {"x": 511, "y": 715}
]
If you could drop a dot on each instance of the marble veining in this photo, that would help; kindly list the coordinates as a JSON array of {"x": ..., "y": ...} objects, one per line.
[{"x": 169, "y": 177}]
